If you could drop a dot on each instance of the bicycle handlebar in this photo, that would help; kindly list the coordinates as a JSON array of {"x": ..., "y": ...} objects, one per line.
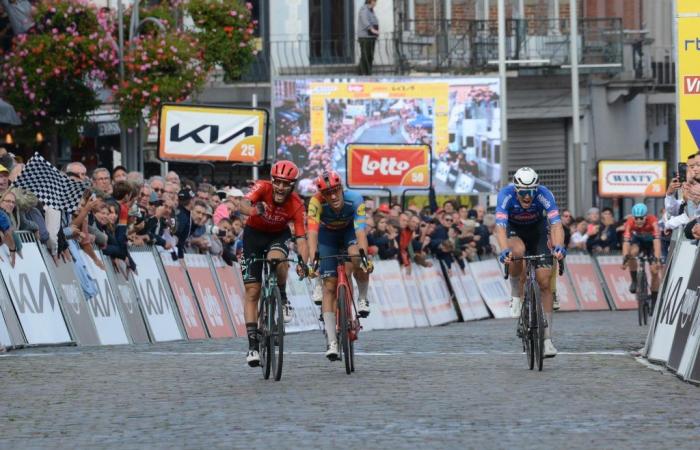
[{"x": 532, "y": 258}]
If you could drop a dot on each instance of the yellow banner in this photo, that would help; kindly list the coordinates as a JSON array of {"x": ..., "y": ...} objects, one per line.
[{"x": 688, "y": 83}]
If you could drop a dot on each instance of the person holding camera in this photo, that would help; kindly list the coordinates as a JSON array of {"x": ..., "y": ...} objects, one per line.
[{"x": 687, "y": 181}]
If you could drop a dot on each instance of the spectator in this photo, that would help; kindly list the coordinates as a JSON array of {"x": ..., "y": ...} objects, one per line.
[
  {"x": 101, "y": 180},
  {"x": 7, "y": 229},
  {"x": 579, "y": 238},
  {"x": 184, "y": 223},
  {"x": 77, "y": 171},
  {"x": 367, "y": 34},
  {"x": 203, "y": 192},
  {"x": 157, "y": 185},
  {"x": 230, "y": 207},
  {"x": 135, "y": 177},
  {"x": 567, "y": 222},
  {"x": 171, "y": 194},
  {"x": 605, "y": 238},
  {"x": 490, "y": 225},
  {"x": 389, "y": 248},
  {"x": 174, "y": 178},
  {"x": 4, "y": 179},
  {"x": 118, "y": 174}
]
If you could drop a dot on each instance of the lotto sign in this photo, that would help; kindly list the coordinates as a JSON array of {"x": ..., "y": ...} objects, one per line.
[
  {"x": 632, "y": 178},
  {"x": 385, "y": 165},
  {"x": 688, "y": 46},
  {"x": 211, "y": 133}
]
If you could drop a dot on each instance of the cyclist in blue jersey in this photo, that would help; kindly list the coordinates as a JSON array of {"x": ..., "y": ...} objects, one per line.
[
  {"x": 336, "y": 222},
  {"x": 526, "y": 216}
]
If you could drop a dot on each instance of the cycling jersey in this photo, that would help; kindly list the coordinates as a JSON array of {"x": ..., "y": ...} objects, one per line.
[
  {"x": 276, "y": 217},
  {"x": 509, "y": 210},
  {"x": 648, "y": 231},
  {"x": 321, "y": 215}
]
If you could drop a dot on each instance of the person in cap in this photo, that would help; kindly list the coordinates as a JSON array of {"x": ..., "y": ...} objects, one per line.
[
  {"x": 230, "y": 205},
  {"x": 183, "y": 222},
  {"x": 4, "y": 179}
]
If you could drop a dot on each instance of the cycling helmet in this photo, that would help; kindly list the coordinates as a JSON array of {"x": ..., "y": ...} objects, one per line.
[
  {"x": 328, "y": 180},
  {"x": 285, "y": 170},
  {"x": 526, "y": 178},
  {"x": 639, "y": 210}
]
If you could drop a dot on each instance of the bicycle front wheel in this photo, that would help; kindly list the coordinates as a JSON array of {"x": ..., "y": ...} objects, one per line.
[
  {"x": 344, "y": 326},
  {"x": 277, "y": 334},
  {"x": 526, "y": 330},
  {"x": 642, "y": 309},
  {"x": 264, "y": 337},
  {"x": 538, "y": 328}
]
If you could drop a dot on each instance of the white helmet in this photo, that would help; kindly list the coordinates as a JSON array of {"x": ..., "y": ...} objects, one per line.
[{"x": 526, "y": 178}]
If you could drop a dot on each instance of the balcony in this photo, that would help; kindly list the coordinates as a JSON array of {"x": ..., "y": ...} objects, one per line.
[{"x": 447, "y": 46}]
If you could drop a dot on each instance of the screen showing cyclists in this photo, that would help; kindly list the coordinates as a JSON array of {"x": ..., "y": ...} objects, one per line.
[
  {"x": 527, "y": 224},
  {"x": 336, "y": 221}
]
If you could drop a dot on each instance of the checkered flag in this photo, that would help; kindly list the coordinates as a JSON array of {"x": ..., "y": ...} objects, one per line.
[{"x": 51, "y": 186}]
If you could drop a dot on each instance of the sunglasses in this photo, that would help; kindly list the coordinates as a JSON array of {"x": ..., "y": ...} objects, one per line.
[
  {"x": 526, "y": 192},
  {"x": 448, "y": 219},
  {"x": 640, "y": 218},
  {"x": 282, "y": 183},
  {"x": 160, "y": 191}
]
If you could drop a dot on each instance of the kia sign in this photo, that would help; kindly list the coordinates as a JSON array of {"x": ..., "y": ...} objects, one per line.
[
  {"x": 386, "y": 166},
  {"x": 632, "y": 178},
  {"x": 211, "y": 133}
]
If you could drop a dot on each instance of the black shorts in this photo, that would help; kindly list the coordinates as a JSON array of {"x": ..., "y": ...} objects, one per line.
[
  {"x": 256, "y": 244},
  {"x": 646, "y": 246},
  {"x": 535, "y": 237}
]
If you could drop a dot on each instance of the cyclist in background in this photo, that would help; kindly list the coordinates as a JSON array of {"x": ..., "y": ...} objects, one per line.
[
  {"x": 642, "y": 234},
  {"x": 270, "y": 207},
  {"x": 336, "y": 221},
  {"x": 523, "y": 230}
]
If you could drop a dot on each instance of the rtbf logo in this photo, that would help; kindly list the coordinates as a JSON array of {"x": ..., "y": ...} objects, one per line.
[
  {"x": 385, "y": 166},
  {"x": 691, "y": 84}
]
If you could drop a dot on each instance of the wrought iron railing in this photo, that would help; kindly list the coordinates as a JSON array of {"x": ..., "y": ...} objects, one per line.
[{"x": 456, "y": 46}]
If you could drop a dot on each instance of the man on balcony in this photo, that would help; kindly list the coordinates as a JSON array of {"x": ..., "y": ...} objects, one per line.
[{"x": 367, "y": 33}]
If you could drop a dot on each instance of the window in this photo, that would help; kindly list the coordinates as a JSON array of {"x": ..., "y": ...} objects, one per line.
[{"x": 331, "y": 31}]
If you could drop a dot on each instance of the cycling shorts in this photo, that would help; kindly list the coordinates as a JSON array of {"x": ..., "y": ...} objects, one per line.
[
  {"x": 334, "y": 242},
  {"x": 645, "y": 244},
  {"x": 535, "y": 237},
  {"x": 256, "y": 244}
]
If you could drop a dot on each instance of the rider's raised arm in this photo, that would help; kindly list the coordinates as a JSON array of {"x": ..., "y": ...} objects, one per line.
[
  {"x": 251, "y": 198},
  {"x": 360, "y": 222},
  {"x": 505, "y": 197}
]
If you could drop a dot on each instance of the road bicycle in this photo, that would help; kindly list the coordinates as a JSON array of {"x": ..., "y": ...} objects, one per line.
[
  {"x": 347, "y": 319},
  {"x": 532, "y": 323},
  {"x": 271, "y": 318},
  {"x": 644, "y": 300}
]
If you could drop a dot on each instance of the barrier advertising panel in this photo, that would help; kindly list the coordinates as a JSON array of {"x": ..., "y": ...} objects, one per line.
[
  {"x": 73, "y": 301},
  {"x": 388, "y": 165},
  {"x": 377, "y": 292},
  {"x": 586, "y": 284},
  {"x": 4, "y": 332},
  {"x": 690, "y": 352},
  {"x": 211, "y": 133},
  {"x": 155, "y": 302},
  {"x": 476, "y": 303},
  {"x": 686, "y": 314},
  {"x": 460, "y": 294},
  {"x": 33, "y": 296},
  {"x": 414, "y": 298},
  {"x": 670, "y": 301},
  {"x": 566, "y": 294},
  {"x": 213, "y": 309},
  {"x": 127, "y": 302},
  {"x": 395, "y": 293},
  {"x": 232, "y": 291},
  {"x": 617, "y": 280},
  {"x": 436, "y": 297},
  {"x": 104, "y": 308},
  {"x": 494, "y": 289},
  {"x": 11, "y": 321},
  {"x": 184, "y": 297},
  {"x": 305, "y": 312}
]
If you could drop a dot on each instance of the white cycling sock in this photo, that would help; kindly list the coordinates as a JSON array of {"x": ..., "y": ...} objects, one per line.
[
  {"x": 548, "y": 330},
  {"x": 362, "y": 287},
  {"x": 515, "y": 286},
  {"x": 329, "y": 324}
]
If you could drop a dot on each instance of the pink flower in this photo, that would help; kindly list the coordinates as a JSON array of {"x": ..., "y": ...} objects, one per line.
[{"x": 233, "y": 13}]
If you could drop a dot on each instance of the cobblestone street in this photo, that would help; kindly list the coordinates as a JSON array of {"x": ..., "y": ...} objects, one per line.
[{"x": 457, "y": 386}]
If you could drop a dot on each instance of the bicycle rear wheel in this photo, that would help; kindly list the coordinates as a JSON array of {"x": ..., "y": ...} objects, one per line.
[
  {"x": 538, "y": 328},
  {"x": 526, "y": 330},
  {"x": 642, "y": 308},
  {"x": 344, "y": 328},
  {"x": 277, "y": 334},
  {"x": 264, "y": 337}
]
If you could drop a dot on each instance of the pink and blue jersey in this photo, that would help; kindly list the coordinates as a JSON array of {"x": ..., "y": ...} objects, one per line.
[{"x": 510, "y": 212}]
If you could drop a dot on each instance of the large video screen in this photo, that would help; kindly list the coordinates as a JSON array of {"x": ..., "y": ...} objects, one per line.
[{"x": 458, "y": 117}]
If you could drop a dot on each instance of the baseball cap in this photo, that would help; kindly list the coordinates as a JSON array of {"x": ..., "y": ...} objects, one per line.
[
  {"x": 3, "y": 169},
  {"x": 185, "y": 194},
  {"x": 233, "y": 192},
  {"x": 384, "y": 208}
]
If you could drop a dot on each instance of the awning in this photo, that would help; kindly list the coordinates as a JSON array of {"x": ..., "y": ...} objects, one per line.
[{"x": 8, "y": 115}]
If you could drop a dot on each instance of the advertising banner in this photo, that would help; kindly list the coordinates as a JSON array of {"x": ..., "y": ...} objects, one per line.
[
  {"x": 211, "y": 133},
  {"x": 104, "y": 308},
  {"x": 476, "y": 303},
  {"x": 436, "y": 297},
  {"x": 459, "y": 118},
  {"x": 213, "y": 308},
  {"x": 394, "y": 292},
  {"x": 233, "y": 292},
  {"x": 33, "y": 296},
  {"x": 184, "y": 297},
  {"x": 5, "y": 340},
  {"x": 584, "y": 280},
  {"x": 377, "y": 293},
  {"x": 632, "y": 178},
  {"x": 618, "y": 281},
  {"x": 566, "y": 294},
  {"x": 127, "y": 302},
  {"x": 688, "y": 82},
  {"x": 686, "y": 316},
  {"x": 460, "y": 294},
  {"x": 11, "y": 321},
  {"x": 670, "y": 301},
  {"x": 386, "y": 165},
  {"x": 155, "y": 300},
  {"x": 74, "y": 304},
  {"x": 689, "y": 367},
  {"x": 305, "y": 312},
  {"x": 493, "y": 287},
  {"x": 414, "y": 298}
]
